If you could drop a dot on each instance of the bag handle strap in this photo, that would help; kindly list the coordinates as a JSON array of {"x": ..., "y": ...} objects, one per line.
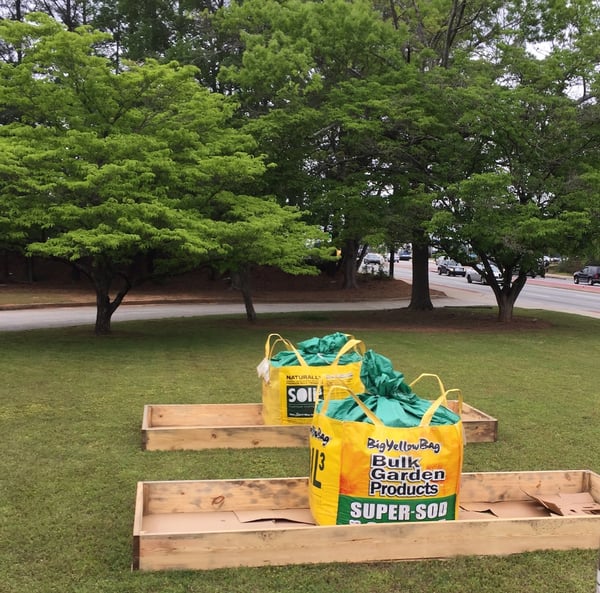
[
  {"x": 459, "y": 399},
  {"x": 441, "y": 400},
  {"x": 425, "y": 420},
  {"x": 351, "y": 344},
  {"x": 436, "y": 377},
  {"x": 368, "y": 413},
  {"x": 269, "y": 347}
]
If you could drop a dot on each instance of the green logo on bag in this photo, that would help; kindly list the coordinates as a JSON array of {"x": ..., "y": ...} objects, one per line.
[{"x": 353, "y": 510}]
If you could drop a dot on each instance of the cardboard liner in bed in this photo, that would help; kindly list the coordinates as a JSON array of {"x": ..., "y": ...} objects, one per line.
[{"x": 209, "y": 524}]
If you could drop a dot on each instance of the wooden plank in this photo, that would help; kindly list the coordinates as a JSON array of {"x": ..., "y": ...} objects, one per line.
[
  {"x": 501, "y": 486},
  {"x": 593, "y": 485},
  {"x": 210, "y": 536},
  {"x": 274, "y": 493},
  {"x": 366, "y": 543},
  {"x": 141, "y": 505},
  {"x": 479, "y": 426},
  {"x": 232, "y": 437},
  {"x": 175, "y": 415},
  {"x": 240, "y": 426},
  {"x": 225, "y": 495}
]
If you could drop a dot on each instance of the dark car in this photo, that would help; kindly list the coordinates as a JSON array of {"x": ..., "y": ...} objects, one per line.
[
  {"x": 450, "y": 267},
  {"x": 542, "y": 268},
  {"x": 588, "y": 275}
]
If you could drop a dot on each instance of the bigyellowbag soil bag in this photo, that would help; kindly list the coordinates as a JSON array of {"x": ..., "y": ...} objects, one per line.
[
  {"x": 363, "y": 470},
  {"x": 291, "y": 375}
]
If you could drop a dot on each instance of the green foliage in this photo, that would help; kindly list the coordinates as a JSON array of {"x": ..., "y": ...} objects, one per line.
[
  {"x": 305, "y": 80},
  {"x": 369, "y": 114},
  {"x": 101, "y": 168},
  {"x": 258, "y": 231},
  {"x": 108, "y": 160}
]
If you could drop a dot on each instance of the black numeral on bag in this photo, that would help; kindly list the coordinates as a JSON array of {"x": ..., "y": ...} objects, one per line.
[{"x": 317, "y": 464}]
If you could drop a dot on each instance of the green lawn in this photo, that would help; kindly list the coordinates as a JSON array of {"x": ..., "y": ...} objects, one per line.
[{"x": 70, "y": 423}]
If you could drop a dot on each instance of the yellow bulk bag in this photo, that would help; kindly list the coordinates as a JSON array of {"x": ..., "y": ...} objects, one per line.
[
  {"x": 289, "y": 392},
  {"x": 367, "y": 472}
]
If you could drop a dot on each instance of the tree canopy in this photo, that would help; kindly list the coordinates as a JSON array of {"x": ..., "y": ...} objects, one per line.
[
  {"x": 119, "y": 173},
  {"x": 467, "y": 124}
]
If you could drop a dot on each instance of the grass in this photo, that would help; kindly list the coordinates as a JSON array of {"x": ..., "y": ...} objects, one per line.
[{"x": 70, "y": 422}]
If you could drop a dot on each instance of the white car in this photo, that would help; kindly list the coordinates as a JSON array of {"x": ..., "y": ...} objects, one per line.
[
  {"x": 373, "y": 259},
  {"x": 475, "y": 275}
]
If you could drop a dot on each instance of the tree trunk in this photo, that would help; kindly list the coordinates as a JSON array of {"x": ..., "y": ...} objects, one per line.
[
  {"x": 506, "y": 304},
  {"x": 391, "y": 263},
  {"x": 104, "y": 311},
  {"x": 105, "y": 308},
  {"x": 420, "y": 299},
  {"x": 30, "y": 269},
  {"x": 241, "y": 279},
  {"x": 5, "y": 274},
  {"x": 506, "y": 295},
  {"x": 349, "y": 253}
]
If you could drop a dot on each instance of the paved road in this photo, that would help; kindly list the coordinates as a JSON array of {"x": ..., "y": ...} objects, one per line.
[
  {"x": 550, "y": 294},
  {"x": 72, "y": 316},
  {"x": 24, "y": 319}
]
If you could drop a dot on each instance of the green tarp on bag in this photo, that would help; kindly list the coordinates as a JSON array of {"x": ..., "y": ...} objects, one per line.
[
  {"x": 388, "y": 396},
  {"x": 317, "y": 352}
]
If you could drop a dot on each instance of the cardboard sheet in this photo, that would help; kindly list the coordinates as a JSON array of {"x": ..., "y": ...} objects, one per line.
[
  {"x": 503, "y": 510},
  {"x": 540, "y": 505},
  {"x": 578, "y": 503},
  {"x": 217, "y": 521}
]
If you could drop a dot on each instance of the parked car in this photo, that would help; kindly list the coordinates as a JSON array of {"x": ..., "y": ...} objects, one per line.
[
  {"x": 450, "y": 267},
  {"x": 474, "y": 275},
  {"x": 542, "y": 268},
  {"x": 373, "y": 259},
  {"x": 588, "y": 275}
]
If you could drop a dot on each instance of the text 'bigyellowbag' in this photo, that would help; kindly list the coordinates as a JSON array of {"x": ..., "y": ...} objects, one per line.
[{"x": 367, "y": 472}]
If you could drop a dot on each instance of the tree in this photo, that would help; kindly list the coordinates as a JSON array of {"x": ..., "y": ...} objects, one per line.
[
  {"x": 521, "y": 196},
  {"x": 435, "y": 34},
  {"x": 71, "y": 13},
  {"x": 102, "y": 169},
  {"x": 303, "y": 77},
  {"x": 259, "y": 232}
]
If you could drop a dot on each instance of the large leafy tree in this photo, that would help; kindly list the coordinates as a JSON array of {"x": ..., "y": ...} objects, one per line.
[
  {"x": 417, "y": 125},
  {"x": 522, "y": 195},
  {"x": 304, "y": 79},
  {"x": 104, "y": 170}
]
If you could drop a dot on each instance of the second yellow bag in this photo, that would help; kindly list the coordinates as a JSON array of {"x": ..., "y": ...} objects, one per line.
[
  {"x": 367, "y": 472},
  {"x": 289, "y": 388}
]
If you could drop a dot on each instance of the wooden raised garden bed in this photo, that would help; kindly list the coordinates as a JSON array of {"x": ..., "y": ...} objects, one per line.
[
  {"x": 241, "y": 426},
  {"x": 227, "y": 523}
]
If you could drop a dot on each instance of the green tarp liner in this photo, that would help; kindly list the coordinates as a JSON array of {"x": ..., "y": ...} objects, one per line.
[
  {"x": 317, "y": 352},
  {"x": 388, "y": 396}
]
